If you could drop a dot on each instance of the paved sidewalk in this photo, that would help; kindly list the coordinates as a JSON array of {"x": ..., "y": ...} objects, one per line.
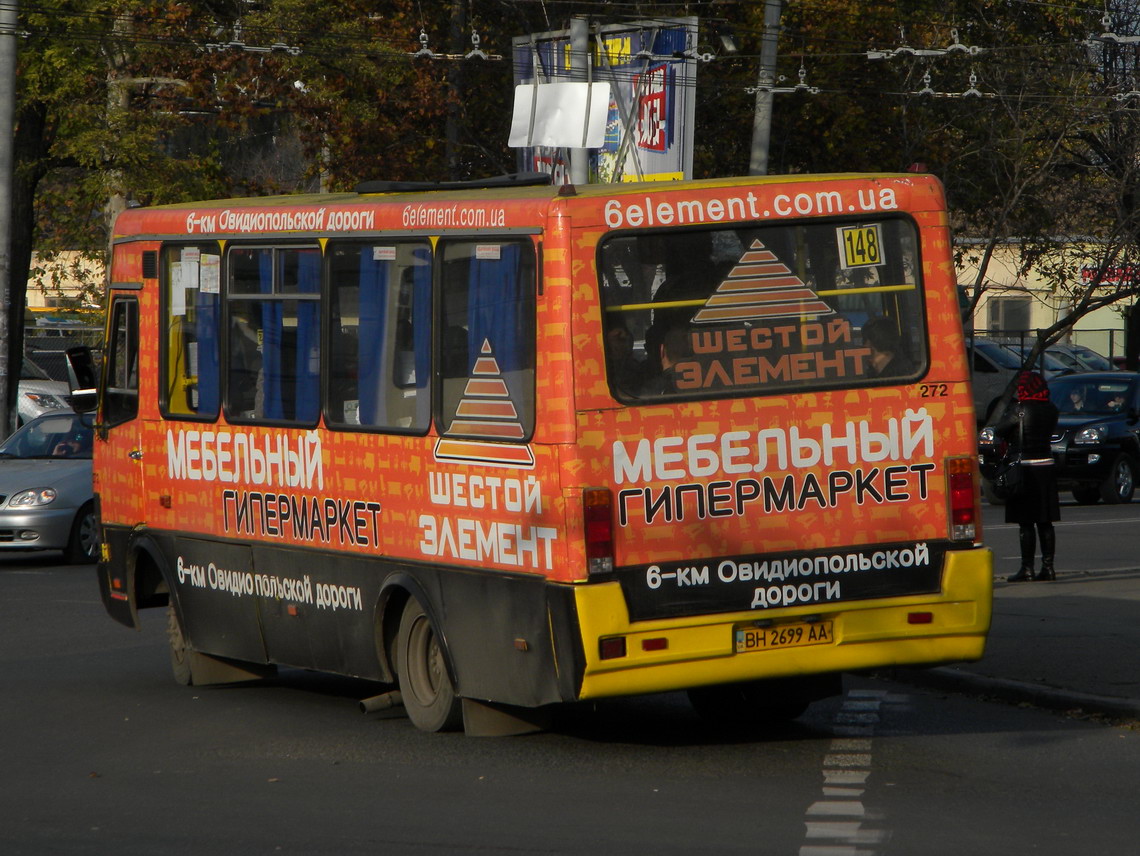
[{"x": 1065, "y": 645}]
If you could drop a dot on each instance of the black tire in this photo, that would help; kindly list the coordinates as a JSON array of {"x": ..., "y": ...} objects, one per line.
[
  {"x": 179, "y": 649},
  {"x": 1120, "y": 484},
  {"x": 83, "y": 542},
  {"x": 1086, "y": 495},
  {"x": 425, "y": 684}
]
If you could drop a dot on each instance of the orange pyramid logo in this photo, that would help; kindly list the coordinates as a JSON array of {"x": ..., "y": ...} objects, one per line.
[
  {"x": 760, "y": 287},
  {"x": 486, "y": 410}
]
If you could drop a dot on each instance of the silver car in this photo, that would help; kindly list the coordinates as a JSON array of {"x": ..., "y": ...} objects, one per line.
[
  {"x": 47, "y": 500},
  {"x": 39, "y": 394}
]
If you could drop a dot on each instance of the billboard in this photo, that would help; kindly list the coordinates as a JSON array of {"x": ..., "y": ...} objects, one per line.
[{"x": 651, "y": 68}]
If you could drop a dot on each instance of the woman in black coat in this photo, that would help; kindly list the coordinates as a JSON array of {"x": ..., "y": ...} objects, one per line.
[{"x": 1028, "y": 427}]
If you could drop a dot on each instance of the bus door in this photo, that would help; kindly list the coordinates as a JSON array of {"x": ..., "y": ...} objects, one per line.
[
  {"x": 120, "y": 470},
  {"x": 118, "y": 450}
]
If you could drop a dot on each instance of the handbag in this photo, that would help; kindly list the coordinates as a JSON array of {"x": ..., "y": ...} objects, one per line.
[
  {"x": 1007, "y": 481},
  {"x": 1008, "y": 478}
]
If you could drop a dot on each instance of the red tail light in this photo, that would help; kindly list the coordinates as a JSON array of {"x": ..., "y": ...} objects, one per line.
[
  {"x": 597, "y": 512},
  {"x": 962, "y": 494}
]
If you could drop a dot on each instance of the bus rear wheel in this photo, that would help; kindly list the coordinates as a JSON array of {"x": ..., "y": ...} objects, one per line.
[{"x": 425, "y": 685}]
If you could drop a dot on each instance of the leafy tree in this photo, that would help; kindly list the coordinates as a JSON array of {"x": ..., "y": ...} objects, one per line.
[{"x": 152, "y": 101}]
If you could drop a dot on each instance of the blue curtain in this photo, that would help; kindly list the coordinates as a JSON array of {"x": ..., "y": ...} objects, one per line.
[
  {"x": 290, "y": 391},
  {"x": 421, "y": 315},
  {"x": 271, "y": 407},
  {"x": 494, "y": 294},
  {"x": 372, "y": 306},
  {"x": 207, "y": 334},
  {"x": 308, "y": 369}
]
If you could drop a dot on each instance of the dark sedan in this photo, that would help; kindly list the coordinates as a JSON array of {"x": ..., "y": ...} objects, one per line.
[{"x": 1097, "y": 442}]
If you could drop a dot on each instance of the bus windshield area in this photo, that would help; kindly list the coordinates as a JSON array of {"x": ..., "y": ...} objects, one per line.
[{"x": 762, "y": 309}]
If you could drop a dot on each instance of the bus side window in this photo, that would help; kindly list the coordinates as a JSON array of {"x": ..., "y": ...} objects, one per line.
[
  {"x": 488, "y": 341},
  {"x": 121, "y": 399},
  {"x": 191, "y": 302},
  {"x": 273, "y": 369},
  {"x": 380, "y": 336}
]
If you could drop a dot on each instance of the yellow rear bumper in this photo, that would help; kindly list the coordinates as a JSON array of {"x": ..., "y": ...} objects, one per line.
[{"x": 699, "y": 650}]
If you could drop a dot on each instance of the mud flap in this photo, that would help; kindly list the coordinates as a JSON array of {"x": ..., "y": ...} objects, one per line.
[
  {"x": 487, "y": 719},
  {"x": 207, "y": 671}
]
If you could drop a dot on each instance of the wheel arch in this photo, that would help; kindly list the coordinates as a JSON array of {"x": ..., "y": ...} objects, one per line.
[
  {"x": 133, "y": 574},
  {"x": 74, "y": 552},
  {"x": 395, "y": 592},
  {"x": 148, "y": 573},
  {"x": 1130, "y": 445},
  {"x": 1109, "y": 490}
]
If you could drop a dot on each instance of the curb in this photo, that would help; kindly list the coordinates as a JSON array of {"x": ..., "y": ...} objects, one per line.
[{"x": 1017, "y": 692}]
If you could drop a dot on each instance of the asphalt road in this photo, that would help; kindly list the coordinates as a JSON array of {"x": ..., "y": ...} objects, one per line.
[
  {"x": 103, "y": 753},
  {"x": 1089, "y": 537}
]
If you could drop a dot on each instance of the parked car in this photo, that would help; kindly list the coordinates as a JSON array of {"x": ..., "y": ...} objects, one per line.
[
  {"x": 1090, "y": 360},
  {"x": 1051, "y": 364},
  {"x": 1064, "y": 357},
  {"x": 994, "y": 366},
  {"x": 1068, "y": 361},
  {"x": 1097, "y": 444},
  {"x": 47, "y": 500},
  {"x": 38, "y": 393}
]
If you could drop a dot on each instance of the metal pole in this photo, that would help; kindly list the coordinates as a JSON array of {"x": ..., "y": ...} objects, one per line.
[
  {"x": 762, "y": 118},
  {"x": 579, "y": 64},
  {"x": 10, "y": 363},
  {"x": 455, "y": 83}
]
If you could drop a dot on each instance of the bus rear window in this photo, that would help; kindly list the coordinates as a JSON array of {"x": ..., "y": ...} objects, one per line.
[{"x": 762, "y": 309}]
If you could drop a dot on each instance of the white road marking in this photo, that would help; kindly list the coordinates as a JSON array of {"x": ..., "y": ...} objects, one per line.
[{"x": 846, "y": 768}]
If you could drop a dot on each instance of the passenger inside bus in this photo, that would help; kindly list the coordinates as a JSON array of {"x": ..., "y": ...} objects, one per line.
[
  {"x": 456, "y": 360},
  {"x": 344, "y": 379},
  {"x": 246, "y": 392},
  {"x": 627, "y": 372},
  {"x": 670, "y": 346},
  {"x": 888, "y": 353}
]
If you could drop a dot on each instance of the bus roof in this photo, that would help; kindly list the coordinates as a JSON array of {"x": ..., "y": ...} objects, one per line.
[{"x": 479, "y": 207}]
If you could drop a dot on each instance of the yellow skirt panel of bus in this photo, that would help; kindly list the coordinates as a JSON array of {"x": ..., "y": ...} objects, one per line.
[{"x": 625, "y": 658}]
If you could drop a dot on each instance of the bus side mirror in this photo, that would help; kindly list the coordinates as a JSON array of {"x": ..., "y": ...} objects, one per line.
[{"x": 83, "y": 379}]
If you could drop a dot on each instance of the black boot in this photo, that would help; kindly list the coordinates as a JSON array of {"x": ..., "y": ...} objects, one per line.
[
  {"x": 1048, "y": 546},
  {"x": 1028, "y": 540}
]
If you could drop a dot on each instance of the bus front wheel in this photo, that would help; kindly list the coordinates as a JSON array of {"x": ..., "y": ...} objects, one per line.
[{"x": 425, "y": 685}]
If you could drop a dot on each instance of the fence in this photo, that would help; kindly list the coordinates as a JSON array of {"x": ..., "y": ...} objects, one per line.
[{"x": 46, "y": 346}]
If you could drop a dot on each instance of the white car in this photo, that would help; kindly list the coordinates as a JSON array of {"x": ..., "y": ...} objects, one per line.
[{"x": 38, "y": 393}]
